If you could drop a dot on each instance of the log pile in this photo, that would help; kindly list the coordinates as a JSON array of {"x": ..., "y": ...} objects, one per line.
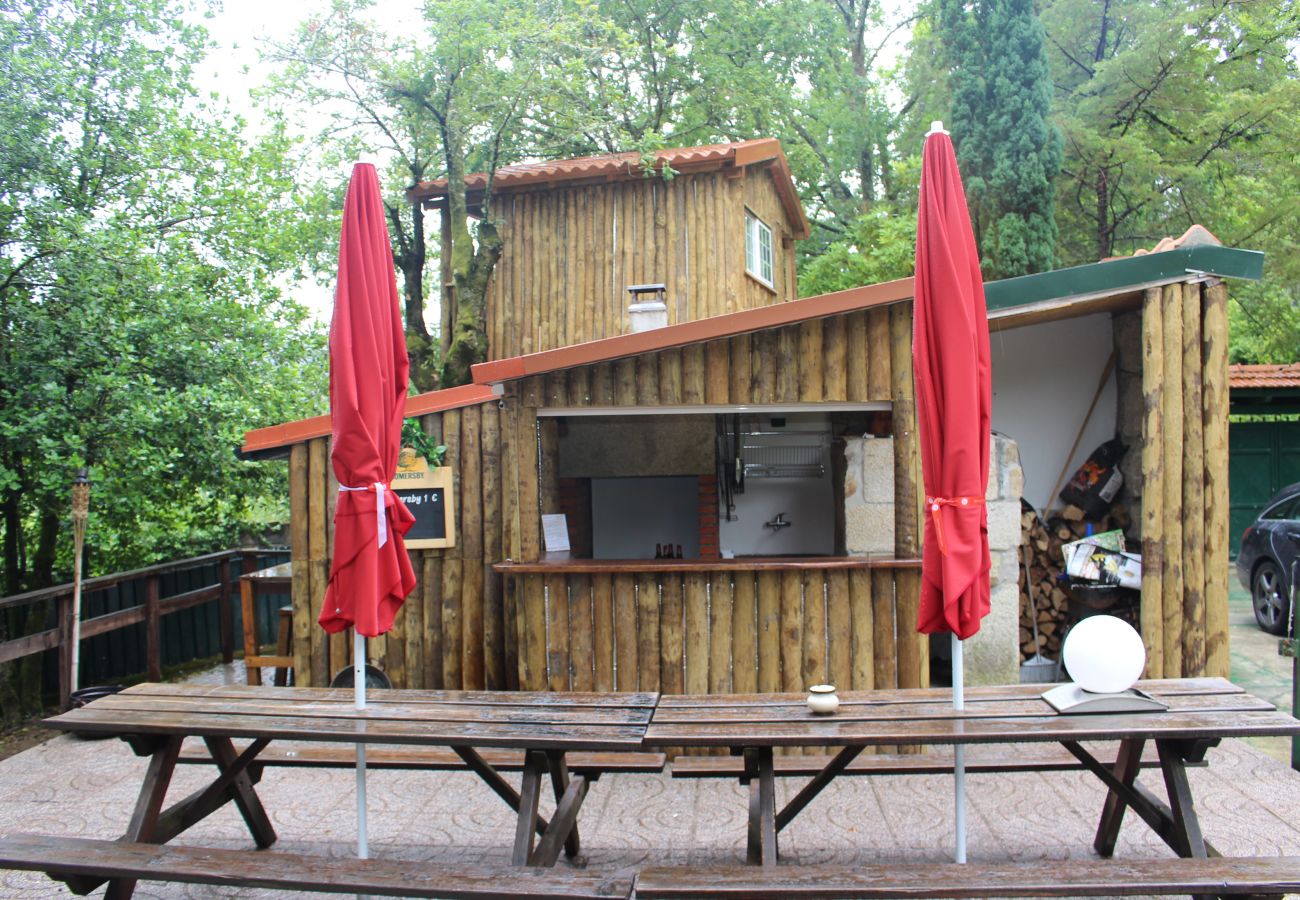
[{"x": 1042, "y": 561}]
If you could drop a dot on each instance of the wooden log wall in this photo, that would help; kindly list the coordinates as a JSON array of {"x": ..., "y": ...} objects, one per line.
[
  {"x": 571, "y": 253},
  {"x": 715, "y": 631},
  {"x": 1184, "y": 480},
  {"x": 863, "y": 356},
  {"x": 452, "y": 631}
]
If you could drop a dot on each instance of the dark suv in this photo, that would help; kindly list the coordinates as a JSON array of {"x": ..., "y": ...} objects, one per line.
[{"x": 1268, "y": 548}]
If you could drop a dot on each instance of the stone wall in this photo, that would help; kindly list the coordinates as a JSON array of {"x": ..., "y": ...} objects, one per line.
[{"x": 993, "y": 655}]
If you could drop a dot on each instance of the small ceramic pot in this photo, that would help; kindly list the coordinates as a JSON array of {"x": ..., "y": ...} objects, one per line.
[{"x": 822, "y": 699}]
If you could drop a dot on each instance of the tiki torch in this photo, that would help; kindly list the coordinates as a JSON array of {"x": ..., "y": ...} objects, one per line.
[{"x": 80, "y": 512}]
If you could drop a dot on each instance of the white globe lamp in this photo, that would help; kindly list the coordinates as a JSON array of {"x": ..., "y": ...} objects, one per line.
[{"x": 1104, "y": 655}]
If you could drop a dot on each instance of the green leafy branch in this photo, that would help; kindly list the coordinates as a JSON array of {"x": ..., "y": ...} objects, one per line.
[{"x": 413, "y": 436}]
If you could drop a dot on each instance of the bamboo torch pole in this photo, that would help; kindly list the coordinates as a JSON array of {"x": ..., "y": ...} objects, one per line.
[{"x": 80, "y": 512}]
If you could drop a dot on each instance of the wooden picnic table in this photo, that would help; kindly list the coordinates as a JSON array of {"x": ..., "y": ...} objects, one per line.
[
  {"x": 155, "y": 719},
  {"x": 1202, "y": 711}
]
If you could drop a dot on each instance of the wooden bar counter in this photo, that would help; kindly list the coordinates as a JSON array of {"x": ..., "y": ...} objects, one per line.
[{"x": 711, "y": 625}]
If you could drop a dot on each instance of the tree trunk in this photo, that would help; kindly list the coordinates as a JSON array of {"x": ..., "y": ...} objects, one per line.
[
  {"x": 42, "y": 574},
  {"x": 13, "y": 576}
]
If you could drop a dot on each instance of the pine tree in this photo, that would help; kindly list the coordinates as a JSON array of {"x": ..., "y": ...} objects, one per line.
[{"x": 1008, "y": 150}]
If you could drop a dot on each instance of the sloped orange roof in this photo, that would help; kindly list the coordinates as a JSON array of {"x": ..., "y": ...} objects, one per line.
[
  {"x": 1264, "y": 376},
  {"x": 1196, "y": 236},
  {"x": 712, "y": 328},
  {"x": 274, "y": 436},
  {"x": 628, "y": 166}
]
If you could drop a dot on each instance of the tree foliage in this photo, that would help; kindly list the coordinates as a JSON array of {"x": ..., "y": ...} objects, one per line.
[
  {"x": 143, "y": 326},
  {"x": 1008, "y": 149}
]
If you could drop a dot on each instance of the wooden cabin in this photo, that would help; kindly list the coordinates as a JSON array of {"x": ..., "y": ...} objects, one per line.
[{"x": 615, "y": 430}]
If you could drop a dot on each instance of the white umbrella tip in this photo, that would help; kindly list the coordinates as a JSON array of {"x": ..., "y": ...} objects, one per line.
[{"x": 936, "y": 127}]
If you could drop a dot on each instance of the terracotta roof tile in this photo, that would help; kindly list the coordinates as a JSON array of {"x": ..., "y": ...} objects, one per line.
[
  {"x": 620, "y": 166},
  {"x": 1196, "y": 236},
  {"x": 1264, "y": 376}
]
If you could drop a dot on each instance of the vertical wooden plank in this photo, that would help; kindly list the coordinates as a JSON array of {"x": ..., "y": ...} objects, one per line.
[
  {"x": 579, "y": 380},
  {"x": 532, "y": 634},
  {"x": 490, "y": 476},
  {"x": 907, "y": 459},
  {"x": 412, "y": 615},
  {"x": 721, "y": 609},
  {"x": 810, "y": 361},
  {"x": 602, "y": 601},
  {"x": 1215, "y": 396},
  {"x": 581, "y": 633},
  {"x": 1153, "y": 515},
  {"x": 744, "y": 633},
  {"x": 787, "y": 373},
  {"x": 557, "y": 633},
  {"x": 769, "y": 631},
  {"x": 863, "y": 677},
  {"x": 1172, "y": 586},
  {"x": 884, "y": 670},
  {"x": 530, "y": 541},
  {"x": 762, "y": 381},
  {"x": 717, "y": 379},
  {"x": 647, "y": 379},
  {"x": 625, "y": 381},
  {"x": 913, "y": 647},
  {"x": 856, "y": 356},
  {"x": 647, "y": 616},
  {"x": 814, "y": 629},
  {"x": 670, "y": 376},
  {"x": 792, "y": 631},
  {"x": 879, "y": 363},
  {"x": 452, "y": 652},
  {"x": 304, "y": 622},
  {"x": 835, "y": 367},
  {"x": 672, "y": 649},
  {"x": 432, "y": 603},
  {"x": 1193, "y": 487},
  {"x": 471, "y": 534},
  {"x": 693, "y": 374},
  {"x": 696, "y": 628},
  {"x": 625, "y": 642},
  {"x": 317, "y": 550},
  {"x": 740, "y": 369},
  {"x": 548, "y": 476},
  {"x": 602, "y": 384},
  {"x": 839, "y": 630}
]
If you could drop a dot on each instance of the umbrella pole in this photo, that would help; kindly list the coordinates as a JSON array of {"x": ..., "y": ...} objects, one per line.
[
  {"x": 359, "y": 693},
  {"x": 959, "y": 753}
]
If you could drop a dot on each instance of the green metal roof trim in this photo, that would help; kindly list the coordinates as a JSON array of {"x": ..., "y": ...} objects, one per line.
[{"x": 1117, "y": 274}]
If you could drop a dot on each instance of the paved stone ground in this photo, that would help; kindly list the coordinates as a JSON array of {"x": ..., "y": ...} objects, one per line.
[{"x": 1247, "y": 798}]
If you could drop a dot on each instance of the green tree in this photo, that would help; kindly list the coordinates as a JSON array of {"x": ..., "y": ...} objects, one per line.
[
  {"x": 1008, "y": 149},
  {"x": 141, "y": 326}
]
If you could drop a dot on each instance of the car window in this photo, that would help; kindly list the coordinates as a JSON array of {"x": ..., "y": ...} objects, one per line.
[{"x": 1287, "y": 509}]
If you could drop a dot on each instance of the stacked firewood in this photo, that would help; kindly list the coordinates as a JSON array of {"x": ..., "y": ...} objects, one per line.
[{"x": 1044, "y": 564}]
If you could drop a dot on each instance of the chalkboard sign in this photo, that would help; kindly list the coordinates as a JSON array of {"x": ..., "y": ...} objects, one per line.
[{"x": 427, "y": 494}]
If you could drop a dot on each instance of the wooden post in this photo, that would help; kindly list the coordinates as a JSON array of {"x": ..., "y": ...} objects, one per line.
[
  {"x": 857, "y": 352},
  {"x": 791, "y": 632},
  {"x": 697, "y": 634},
  {"x": 768, "y": 586},
  {"x": 835, "y": 368},
  {"x": 471, "y": 544},
  {"x": 247, "y": 604},
  {"x": 303, "y": 623},
  {"x": 839, "y": 630},
  {"x": 226, "y": 615},
  {"x": 558, "y": 677},
  {"x": 625, "y": 643},
  {"x": 907, "y": 460},
  {"x": 1153, "y": 502},
  {"x": 1172, "y": 576},
  {"x": 433, "y": 621},
  {"x": 884, "y": 667},
  {"x": 879, "y": 362},
  {"x": 602, "y": 602},
  {"x": 452, "y": 633},
  {"x": 720, "y": 613},
  {"x": 1193, "y": 487},
  {"x": 808, "y": 364},
  {"x": 672, "y": 678},
  {"x": 647, "y": 619},
  {"x": 153, "y": 636},
  {"x": 322, "y": 666},
  {"x": 860, "y": 610},
  {"x": 717, "y": 362},
  {"x": 1217, "y": 539},
  {"x": 744, "y": 634},
  {"x": 66, "y": 650}
]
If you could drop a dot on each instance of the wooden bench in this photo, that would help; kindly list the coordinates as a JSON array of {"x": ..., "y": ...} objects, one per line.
[
  {"x": 1049, "y": 878},
  {"x": 978, "y": 759},
  {"x": 82, "y": 859},
  {"x": 442, "y": 759}
]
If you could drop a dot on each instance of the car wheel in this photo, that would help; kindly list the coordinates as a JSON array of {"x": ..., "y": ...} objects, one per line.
[{"x": 1268, "y": 592}]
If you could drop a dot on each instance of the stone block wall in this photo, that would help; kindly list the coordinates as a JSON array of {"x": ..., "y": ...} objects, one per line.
[{"x": 993, "y": 655}]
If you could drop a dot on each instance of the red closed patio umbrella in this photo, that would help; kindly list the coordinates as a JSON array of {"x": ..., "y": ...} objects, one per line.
[
  {"x": 950, "y": 357},
  {"x": 370, "y": 574}
]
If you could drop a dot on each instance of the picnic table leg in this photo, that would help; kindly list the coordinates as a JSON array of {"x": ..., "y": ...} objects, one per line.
[
  {"x": 148, "y": 805},
  {"x": 502, "y": 788},
  {"x": 560, "y": 783},
  {"x": 529, "y": 793},
  {"x": 1112, "y": 814},
  {"x": 762, "y": 846},
  {"x": 241, "y": 791},
  {"x": 563, "y": 830}
]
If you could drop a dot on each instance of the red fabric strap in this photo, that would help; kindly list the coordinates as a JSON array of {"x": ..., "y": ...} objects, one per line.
[{"x": 936, "y": 503}]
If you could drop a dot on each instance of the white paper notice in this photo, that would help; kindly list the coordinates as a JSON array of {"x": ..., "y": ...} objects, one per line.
[{"x": 555, "y": 533}]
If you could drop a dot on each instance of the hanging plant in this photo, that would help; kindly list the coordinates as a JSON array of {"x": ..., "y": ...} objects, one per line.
[{"x": 413, "y": 436}]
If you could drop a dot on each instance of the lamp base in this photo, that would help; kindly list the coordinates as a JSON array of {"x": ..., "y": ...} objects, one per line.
[{"x": 1070, "y": 699}]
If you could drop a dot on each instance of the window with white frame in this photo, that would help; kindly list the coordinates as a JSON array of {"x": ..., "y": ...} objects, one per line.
[{"x": 758, "y": 248}]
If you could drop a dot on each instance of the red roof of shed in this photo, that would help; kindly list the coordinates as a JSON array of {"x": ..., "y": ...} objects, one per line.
[{"x": 1260, "y": 376}]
